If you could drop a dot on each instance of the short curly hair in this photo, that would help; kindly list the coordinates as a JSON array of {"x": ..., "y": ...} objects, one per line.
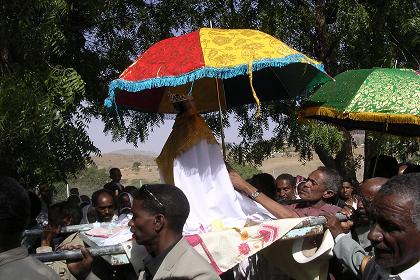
[
  {"x": 332, "y": 180},
  {"x": 170, "y": 201},
  {"x": 407, "y": 186}
]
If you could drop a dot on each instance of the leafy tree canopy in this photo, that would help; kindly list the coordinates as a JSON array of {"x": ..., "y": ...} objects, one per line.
[{"x": 57, "y": 57}]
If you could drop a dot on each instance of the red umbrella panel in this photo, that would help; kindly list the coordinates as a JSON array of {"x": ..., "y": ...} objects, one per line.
[{"x": 235, "y": 67}]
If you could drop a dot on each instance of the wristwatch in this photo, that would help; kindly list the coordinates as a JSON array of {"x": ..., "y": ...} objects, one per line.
[{"x": 254, "y": 195}]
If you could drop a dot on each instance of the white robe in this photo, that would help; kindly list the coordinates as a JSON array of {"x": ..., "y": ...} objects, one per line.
[{"x": 201, "y": 174}]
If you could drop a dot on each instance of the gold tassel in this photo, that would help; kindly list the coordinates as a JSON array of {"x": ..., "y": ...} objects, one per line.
[{"x": 254, "y": 94}]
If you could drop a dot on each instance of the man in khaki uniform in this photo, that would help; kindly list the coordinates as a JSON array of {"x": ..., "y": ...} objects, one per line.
[{"x": 159, "y": 215}]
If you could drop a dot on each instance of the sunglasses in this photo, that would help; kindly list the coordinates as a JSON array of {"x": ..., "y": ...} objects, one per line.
[{"x": 145, "y": 189}]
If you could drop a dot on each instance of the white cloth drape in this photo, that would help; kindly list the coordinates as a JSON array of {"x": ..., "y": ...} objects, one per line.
[{"x": 202, "y": 175}]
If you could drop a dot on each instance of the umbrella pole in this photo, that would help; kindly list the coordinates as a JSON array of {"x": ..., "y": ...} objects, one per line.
[
  {"x": 222, "y": 134},
  {"x": 385, "y": 128}
]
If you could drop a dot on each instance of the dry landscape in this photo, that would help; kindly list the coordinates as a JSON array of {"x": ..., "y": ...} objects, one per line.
[{"x": 147, "y": 171}]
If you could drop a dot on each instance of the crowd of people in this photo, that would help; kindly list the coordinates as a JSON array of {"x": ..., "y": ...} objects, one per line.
[{"x": 380, "y": 240}]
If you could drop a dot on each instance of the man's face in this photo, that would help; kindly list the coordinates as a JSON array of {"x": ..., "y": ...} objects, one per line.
[
  {"x": 105, "y": 208},
  {"x": 143, "y": 224},
  {"x": 368, "y": 190},
  {"x": 346, "y": 190},
  {"x": 313, "y": 190},
  {"x": 46, "y": 193},
  {"x": 394, "y": 236},
  {"x": 125, "y": 201},
  {"x": 285, "y": 190}
]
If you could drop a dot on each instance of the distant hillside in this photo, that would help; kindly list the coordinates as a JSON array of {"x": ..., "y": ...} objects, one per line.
[
  {"x": 138, "y": 168},
  {"x": 124, "y": 160},
  {"x": 133, "y": 152}
]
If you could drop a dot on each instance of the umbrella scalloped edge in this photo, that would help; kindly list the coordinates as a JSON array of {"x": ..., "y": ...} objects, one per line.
[
  {"x": 210, "y": 72},
  {"x": 360, "y": 116}
]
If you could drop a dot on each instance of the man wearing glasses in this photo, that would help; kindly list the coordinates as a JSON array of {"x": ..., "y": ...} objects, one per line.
[{"x": 159, "y": 215}]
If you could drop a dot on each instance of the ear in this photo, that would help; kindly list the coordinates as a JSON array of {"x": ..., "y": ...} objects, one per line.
[
  {"x": 159, "y": 222},
  {"x": 328, "y": 194}
]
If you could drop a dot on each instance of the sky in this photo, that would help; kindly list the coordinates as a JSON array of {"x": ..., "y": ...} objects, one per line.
[{"x": 155, "y": 142}]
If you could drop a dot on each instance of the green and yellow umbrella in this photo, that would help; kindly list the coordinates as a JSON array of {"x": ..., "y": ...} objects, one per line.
[{"x": 379, "y": 99}]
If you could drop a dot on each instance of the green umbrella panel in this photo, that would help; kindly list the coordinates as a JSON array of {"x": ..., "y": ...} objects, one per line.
[{"x": 378, "y": 99}]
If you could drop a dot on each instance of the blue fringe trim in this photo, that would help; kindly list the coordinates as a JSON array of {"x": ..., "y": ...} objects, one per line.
[{"x": 209, "y": 72}]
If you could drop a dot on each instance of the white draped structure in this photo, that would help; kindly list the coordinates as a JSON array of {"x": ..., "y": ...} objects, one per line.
[{"x": 201, "y": 174}]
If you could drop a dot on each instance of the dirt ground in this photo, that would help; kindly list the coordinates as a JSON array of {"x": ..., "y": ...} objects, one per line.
[{"x": 147, "y": 171}]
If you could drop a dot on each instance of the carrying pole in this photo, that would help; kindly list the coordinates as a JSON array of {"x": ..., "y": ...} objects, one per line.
[
  {"x": 309, "y": 227},
  {"x": 68, "y": 229},
  {"x": 73, "y": 255}
]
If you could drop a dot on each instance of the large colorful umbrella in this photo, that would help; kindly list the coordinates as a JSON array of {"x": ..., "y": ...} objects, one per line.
[
  {"x": 380, "y": 99},
  {"x": 221, "y": 68}
]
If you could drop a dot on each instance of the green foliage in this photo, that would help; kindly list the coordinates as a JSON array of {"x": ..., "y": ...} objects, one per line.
[
  {"x": 46, "y": 136},
  {"x": 136, "y": 165},
  {"x": 43, "y": 126},
  {"x": 245, "y": 170},
  {"x": 58, "y": 56},
  {"x": 402, "y": 148},
  {"x": 304, "y": 137},
  {"x": 88, "y": 181}
]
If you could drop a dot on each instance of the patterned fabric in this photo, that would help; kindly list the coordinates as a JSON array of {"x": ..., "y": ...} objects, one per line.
[
  {"x": 167, "y": 58},
  {"x": 359, "y": 98},
  {"x": 229, "y": 48},
  {"x": 225, "y": 249},
  {"x": 193, "y": 63}
]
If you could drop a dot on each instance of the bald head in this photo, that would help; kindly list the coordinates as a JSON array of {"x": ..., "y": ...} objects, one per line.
[
  {"x": 370, "y": 187},
  {"x": 368, "y": 190}
]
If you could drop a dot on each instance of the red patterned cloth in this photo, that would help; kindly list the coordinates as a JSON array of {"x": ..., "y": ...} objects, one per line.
[{"x": 168, "y": 58}]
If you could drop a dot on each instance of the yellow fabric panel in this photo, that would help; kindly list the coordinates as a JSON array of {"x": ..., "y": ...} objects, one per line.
[
  {"x": 232, "y": 47},
  {"x": 189, "y": 129}
]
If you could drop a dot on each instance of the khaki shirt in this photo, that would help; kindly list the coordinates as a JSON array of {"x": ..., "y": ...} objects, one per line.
[
  {"x": 60, "y": 267},
  {"x": 17, "y": 264}
]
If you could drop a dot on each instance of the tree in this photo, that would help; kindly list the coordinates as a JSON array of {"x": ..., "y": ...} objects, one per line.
[
  {"x": 58, "y": 56},
  {"x": 42, "y": 123},
  {"x": 87, "y": 181},
  {"x": 342, "y": 34},
  {"x": 245, "y": 170}
]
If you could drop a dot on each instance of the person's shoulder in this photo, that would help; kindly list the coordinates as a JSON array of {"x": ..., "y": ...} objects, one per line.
[
  {"x": 292, "y": 205},
  {"x": 30, "y": 268},
  {"x": 330, "y": 208},
  {"x": 110, "y": 186},
  {"x": 201, "y": 268},
  {"x": 46, "y": 271},
  {"x": 73, "y": 239}
]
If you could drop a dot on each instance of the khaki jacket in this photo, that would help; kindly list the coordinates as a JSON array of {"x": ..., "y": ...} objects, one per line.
[
  {"x": 17, "y": 264},
  {"x": 182, "y": 261},
  {"x": 60, "y": 267}
]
